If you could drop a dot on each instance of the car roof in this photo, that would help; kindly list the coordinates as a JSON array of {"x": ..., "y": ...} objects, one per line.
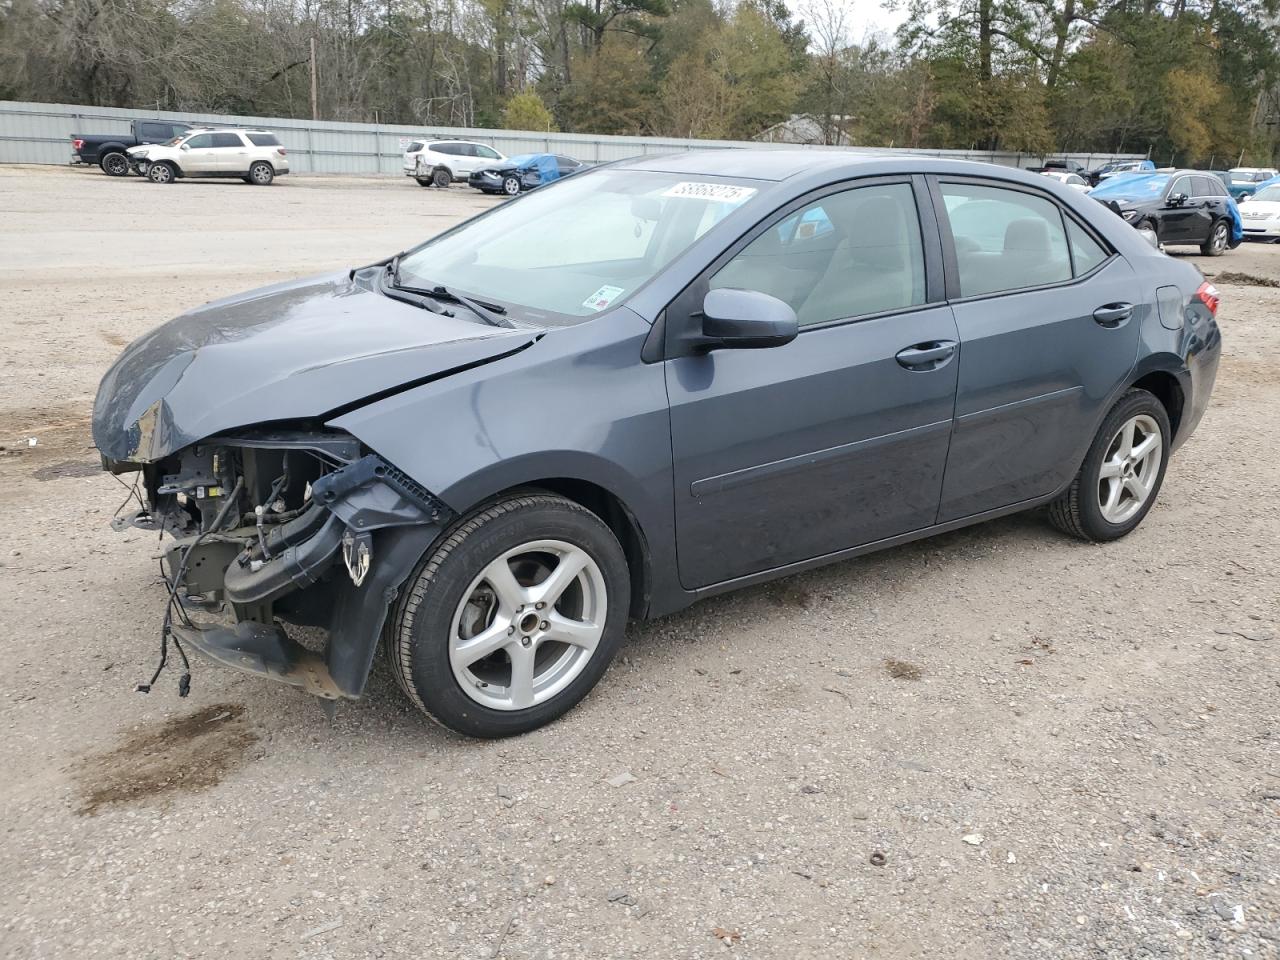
[{"x": 759, "y": 163}]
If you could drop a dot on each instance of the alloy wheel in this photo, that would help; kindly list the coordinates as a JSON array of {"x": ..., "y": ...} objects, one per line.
[
  {"x": 1220, "y": 236},
  {"x": 261, "y": 173},
  {"x": 159, "y": 173},
  {"x": 528, "y": 624},
  {"x": 511, "y": 186},
  {"x": 1130, "y": 468}
]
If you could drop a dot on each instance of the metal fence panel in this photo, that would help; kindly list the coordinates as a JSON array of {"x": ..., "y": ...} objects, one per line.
[{"x": 41, "y": 133}]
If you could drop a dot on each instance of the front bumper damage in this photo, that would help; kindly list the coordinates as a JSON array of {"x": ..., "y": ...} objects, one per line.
[{"x": 322, "y": 534}]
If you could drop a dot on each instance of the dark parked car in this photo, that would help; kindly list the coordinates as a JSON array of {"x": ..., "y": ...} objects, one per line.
[
  {"x": 110, "y": 150},
  {"x": 1117, "y": 167},
  {"x": 1185, "y": 206},
  {"x": 652, "y": 382},
  {"x": 526, "y": 172},
  {"x": 1061, "y": 166}
]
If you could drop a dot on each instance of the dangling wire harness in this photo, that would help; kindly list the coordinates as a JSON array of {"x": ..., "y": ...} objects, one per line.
[{"x": 166, "y": 631}]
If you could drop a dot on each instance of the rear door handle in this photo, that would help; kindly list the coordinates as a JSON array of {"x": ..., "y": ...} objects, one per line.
[
  {"x": 1113, "y": 314},
  {"x": 927, "y": 356}
]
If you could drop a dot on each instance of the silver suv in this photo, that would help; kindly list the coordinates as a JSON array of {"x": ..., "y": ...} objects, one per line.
[{"x": 255, "y": 156}]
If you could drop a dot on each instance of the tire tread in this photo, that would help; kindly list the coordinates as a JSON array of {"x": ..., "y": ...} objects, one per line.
[{"x": 398, "y": 637}]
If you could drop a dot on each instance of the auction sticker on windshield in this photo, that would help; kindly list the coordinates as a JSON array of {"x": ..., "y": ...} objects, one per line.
[
  {"x": 602, "y": 297},
  {"x": 723, "y": 192}
]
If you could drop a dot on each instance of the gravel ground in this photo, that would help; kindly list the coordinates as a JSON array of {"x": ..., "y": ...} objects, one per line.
[{"x": 999, "y": 743}]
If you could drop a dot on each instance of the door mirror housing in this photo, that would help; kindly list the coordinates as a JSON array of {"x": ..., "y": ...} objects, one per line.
[
  {"x": 746, "y": 319},
  {"x": 1177, "y": 199},
  {"x": 186, "y": 146}
]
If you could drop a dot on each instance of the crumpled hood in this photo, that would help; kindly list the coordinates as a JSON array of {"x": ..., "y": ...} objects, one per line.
[{"x": 291, "y": 351}]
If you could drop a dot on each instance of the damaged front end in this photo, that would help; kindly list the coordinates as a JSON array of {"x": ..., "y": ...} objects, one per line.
[{"x": 276, "y": 529}]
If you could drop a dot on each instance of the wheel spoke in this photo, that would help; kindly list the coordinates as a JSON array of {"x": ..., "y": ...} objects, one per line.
[
  {"x": 1114, "y": 488},
  {"x": 1137, "y": 488},
  {"x": 1110, "y": 468},
  {"x": 521, "y": 688},
  {"x": 549, "y": 590},
  {"x": 1149, "y": 443},
  {"x": 579, "y": 633},
  {"x": 1126, "y": 439},
  {"x": 467, "y": 652},
  {"x": 510, "y": 594}
]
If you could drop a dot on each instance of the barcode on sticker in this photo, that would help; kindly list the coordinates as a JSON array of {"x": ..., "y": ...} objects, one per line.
[{"x": 722, "y": 192}]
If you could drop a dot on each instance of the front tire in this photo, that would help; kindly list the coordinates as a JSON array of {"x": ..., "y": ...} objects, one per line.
[
  {"x": 114, "y": 164},
  {"x": 1219, "y": 238},
  {"x": 161, "y": 172},
  {"x": 1122, "y": 473},
  {"x": 511, "y": 186},
  {"x": 512, "y": 618}
]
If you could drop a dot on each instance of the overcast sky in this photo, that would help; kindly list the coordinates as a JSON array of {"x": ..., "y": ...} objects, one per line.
[{"x": 865, "y": 16}]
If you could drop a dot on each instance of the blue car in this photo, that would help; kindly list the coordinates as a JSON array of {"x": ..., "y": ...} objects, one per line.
[{"x": 525, "y": 172}]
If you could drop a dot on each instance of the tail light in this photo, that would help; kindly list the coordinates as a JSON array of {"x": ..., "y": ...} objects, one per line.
[
  {"x": 280, "y": 150},
  {"x": 77, "y": 144},
  {"x": 1207, "y": 294}
]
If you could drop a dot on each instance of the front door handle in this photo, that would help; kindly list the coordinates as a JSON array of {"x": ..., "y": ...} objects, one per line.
[
  {"x": 1113, "y": 314},
  {"x": 927, "y": 356}
]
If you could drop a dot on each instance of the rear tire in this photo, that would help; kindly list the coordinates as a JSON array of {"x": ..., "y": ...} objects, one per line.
[
  {"x": 1087, "y": 509},
  {"x": 441, "y": 177},
  {"x": 482, "y": 583},
  {"x": 1219, "y": 238},
  {"x": 114, "y": 164},
  {"x": 424, "y": 181},
  {"x": 161, "y": 172},
  {"x": 261, "y": 173}
]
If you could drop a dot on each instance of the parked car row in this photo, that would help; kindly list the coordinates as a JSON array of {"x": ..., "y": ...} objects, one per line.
[
  {"x": 166, "y": 150},
  {"x": 439, "y": 163}
]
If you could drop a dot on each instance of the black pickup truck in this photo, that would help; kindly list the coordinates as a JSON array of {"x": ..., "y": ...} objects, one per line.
[{"x": 107, "y": 150}]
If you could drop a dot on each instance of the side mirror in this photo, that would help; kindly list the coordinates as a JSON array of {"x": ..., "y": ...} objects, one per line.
[
  {"x": 746, "y": 319},
  {"x": 186, "y": 146},
  {"x": 1149, "y": 235},
  {"x": 1177, "y": 199}
]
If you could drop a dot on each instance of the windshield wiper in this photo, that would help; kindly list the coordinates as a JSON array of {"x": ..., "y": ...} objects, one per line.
[{"x": 490, "y": 313}]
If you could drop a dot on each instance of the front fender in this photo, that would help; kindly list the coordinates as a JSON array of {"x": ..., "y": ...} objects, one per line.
[{"x": 577, "y": 405}]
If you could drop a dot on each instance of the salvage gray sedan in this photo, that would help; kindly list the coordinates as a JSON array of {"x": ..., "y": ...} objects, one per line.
[{"x": 649, "y": 383}]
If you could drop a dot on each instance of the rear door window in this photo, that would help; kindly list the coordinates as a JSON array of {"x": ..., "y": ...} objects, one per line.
[
  {"x": 155, "y": 132},
  {"x": 1086, "y": 252},
  {"x": 227, "y": 140},
  {"x": 1005, "y": 239}
]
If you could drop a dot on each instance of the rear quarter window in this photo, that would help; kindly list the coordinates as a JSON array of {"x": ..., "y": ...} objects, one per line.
[{"x": 264, "y": 139}]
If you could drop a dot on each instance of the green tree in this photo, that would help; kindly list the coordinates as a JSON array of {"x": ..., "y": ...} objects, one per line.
[{"x": 526, "y": 111}]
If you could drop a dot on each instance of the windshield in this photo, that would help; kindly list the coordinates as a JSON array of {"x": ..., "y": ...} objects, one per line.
[
  {"x": 578, "y": 247},
  {"x": 1269, "y": 194},
  {"x": 1142, "y": 186}
]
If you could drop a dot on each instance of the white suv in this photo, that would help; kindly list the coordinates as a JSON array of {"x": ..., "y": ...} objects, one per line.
[
  {"x": 440, "y": 162},
  {"x": 254, "y": 156}
]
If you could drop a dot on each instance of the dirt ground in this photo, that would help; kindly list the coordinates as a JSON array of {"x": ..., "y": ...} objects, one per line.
[{"x": 999, "y": 743}]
